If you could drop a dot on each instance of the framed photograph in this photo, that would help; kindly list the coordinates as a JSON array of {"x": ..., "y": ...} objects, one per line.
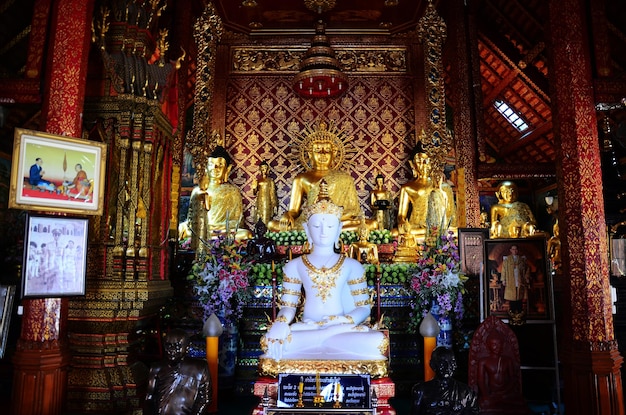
[
  {"x": 516, "y": 279},
  {"x": 472, "y": 249},
  {"x": 7, "y": 296},
  {"x": 56, "y": 173},
  {"x": 55, "y": 254}
]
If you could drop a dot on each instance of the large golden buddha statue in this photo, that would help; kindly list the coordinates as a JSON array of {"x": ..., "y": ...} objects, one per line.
[
  {"x": 511, "y": 218},
  {"x": 425, "y": 202},
  {"x": 215, "y": 206},
  {"x": 321, "y": 152}
]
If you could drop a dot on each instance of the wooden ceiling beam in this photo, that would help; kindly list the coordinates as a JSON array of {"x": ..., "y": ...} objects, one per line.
[
  {"x": 497, "y": 90},
  {"x": 527, "y": 139}
]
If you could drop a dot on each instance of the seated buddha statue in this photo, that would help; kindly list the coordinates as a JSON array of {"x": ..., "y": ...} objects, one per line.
[
  {"x": 218, "y": 207},
  {"x": 331, "y": 326},
  {"x": 363, "y": 250},
  {"x": 511, "y": 218},
  {"x": 319, "y": 153},
  {"x": 424, "y": 202}
]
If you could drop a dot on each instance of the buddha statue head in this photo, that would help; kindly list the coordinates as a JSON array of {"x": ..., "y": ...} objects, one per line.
[
  {"x": 507, "y": 192},
  {"x": 420, "y": 162},
  {"x": 218, "y": 165},
  {"x": 264, "y": 168},
  {"x": 322, "y": 147}
]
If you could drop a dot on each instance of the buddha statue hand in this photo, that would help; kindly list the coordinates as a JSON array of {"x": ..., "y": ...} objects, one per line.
[
  {"x": 286, "y": 222},
  {"x": 335, "y": 320},
  {"x": 277, "y": 336}
]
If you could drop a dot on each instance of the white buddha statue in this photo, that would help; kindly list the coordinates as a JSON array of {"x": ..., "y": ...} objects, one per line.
[{"x": 337, "y": 304}]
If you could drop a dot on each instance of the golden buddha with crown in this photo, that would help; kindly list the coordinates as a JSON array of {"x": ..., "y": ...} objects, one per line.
[
  {"x": 215, "y": 206},
  {"x": 331, "y": 336},
  {"x": 321, "y": 152}
]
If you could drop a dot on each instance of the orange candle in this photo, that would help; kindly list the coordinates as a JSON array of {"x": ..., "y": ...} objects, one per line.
[
  {"x": 429, "y": 345},
  {"x": 212, "y": 360}
]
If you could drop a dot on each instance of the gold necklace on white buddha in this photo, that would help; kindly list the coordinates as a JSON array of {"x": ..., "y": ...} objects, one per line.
[{"x": 324, "y": 279}]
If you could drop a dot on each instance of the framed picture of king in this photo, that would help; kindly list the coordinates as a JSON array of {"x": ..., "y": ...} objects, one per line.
[
  {"x": 57, "y": 173},
  {"x": 516, "y": 283}
]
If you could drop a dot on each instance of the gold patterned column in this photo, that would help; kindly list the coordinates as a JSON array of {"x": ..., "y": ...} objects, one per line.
[
  {"x": 436, "y": 140},
  {"x": 207, "y": 33}
]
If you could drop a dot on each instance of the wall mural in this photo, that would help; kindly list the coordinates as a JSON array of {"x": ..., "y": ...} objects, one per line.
[{"x": 264, "y": 117}]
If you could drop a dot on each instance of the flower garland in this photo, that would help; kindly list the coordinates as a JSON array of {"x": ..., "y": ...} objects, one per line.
[
  {"x": 220, "y": 279},
  {"x": 437, "y": 278}
]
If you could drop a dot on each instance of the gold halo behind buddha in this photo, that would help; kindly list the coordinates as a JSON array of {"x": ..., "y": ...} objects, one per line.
[{"x": 320, "y": 133}]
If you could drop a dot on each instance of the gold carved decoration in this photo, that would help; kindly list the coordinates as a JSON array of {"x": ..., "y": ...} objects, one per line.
[
  {"x": 320, "y": 6},
  {"x": 436, "y": 138},
  {"x": 271, "y": 367},
  {"x": 373, "y": 60},
  {"x": 207, "y": 33}
]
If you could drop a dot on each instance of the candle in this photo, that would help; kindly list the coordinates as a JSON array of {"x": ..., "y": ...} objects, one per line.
[
  {"x": 317, "y": 383},
  {"x": 212, "y": 330},
  {"x": 429, "y": 329},
  {"x": 212, "y": 360},
  {"x": 301, "y": 386}
]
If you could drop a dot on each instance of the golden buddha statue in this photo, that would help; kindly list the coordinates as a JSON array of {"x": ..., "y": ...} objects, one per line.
[
  {"x": 363, "y": 250},
  {"x": 264, "y": 189},
  {"x": 511, "y": 218},
  {"x": 322, "y": 152},
  {"x": 554, "y": 248},
  {"x": 381, "y": 202},
  {"x": 215, "y": 206},
  {"x": 424, "y": 202}
]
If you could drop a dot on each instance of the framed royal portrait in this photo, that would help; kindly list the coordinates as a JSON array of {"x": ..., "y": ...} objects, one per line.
[
  {"x": 7, "y": 296},
  {"x": 516, "y": 281},
  {"x": 57, "y": 173},
  {"x": 55, "y": 256}
]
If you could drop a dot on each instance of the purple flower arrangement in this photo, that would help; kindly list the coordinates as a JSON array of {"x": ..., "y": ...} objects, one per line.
[
  {"x": 220, "y": 279},
  {"x": 437, "y": 278}
]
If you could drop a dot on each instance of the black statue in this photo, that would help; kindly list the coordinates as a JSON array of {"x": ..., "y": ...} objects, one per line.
[
  {"x": 178, "y": 385},
  {"x": 443, "y": 395},
  {"x": 261, "y": 248}
]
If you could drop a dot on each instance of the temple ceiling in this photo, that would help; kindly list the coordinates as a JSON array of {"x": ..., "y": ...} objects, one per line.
[{"x": 512, "y": 50}]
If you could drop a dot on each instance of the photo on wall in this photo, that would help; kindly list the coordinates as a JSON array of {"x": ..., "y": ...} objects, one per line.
[
  {"x": 57, "y": 173},
  {"x": 55, "y": 255},
  {"x": 516, "y": 279}
]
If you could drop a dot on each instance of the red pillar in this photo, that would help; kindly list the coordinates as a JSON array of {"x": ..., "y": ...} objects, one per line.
[
  {"x": 41, "y": 359},
  {"x": 589, "y": 355}
]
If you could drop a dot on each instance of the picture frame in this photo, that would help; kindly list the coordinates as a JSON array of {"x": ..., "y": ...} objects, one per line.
[
  {"x": 7, "y": 296},
  {"x": 73, "y": 173},
  {"x": 472, "y": 250},
  {"x": 533, "y": 292},
  {"x": 55, "y": 256}
]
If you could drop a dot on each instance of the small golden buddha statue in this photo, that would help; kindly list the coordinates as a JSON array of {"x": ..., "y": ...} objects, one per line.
[
  {"x": 264, "y": 189},
  {"x": 424, "y": 202},
  {"x": 511, "y": 218},
  {"x": 322, "y": 152},
  {"x": 215, "y": 206},
  {"x": 381, "y": 202},
  {"x": 363, "y": 250},
  {"x": 554, "y": 248}
]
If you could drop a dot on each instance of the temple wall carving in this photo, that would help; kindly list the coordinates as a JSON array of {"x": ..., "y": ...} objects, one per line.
[{"x": 264, "y": 117}]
